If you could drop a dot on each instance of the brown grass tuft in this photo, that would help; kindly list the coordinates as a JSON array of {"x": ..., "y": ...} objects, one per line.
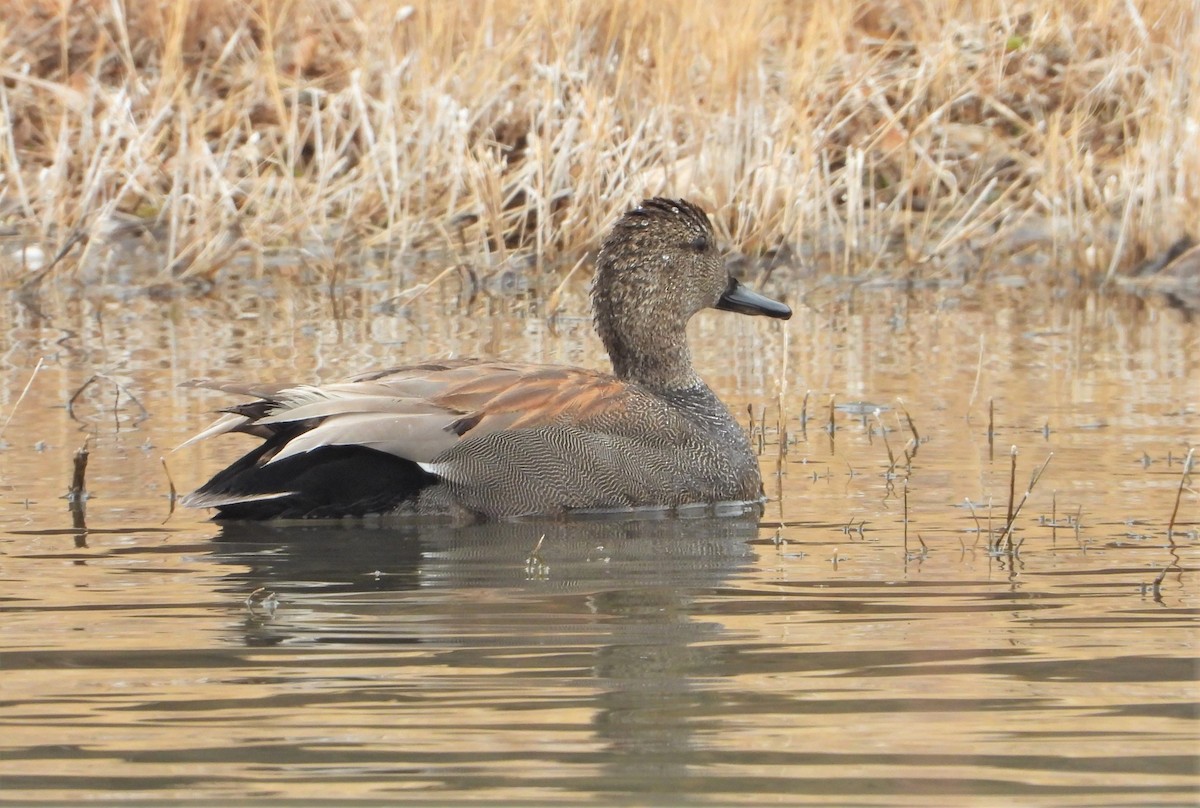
[{"x": 926, "y": 136}]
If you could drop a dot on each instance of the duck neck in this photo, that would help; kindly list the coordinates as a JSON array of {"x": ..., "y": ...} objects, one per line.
[{"x": 653, "y": 354}]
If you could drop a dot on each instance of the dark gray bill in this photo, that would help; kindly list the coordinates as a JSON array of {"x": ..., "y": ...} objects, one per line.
[{"x": 740, "y": 299}]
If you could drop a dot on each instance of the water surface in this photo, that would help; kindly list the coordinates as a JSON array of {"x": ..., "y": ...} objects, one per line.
[{"x": 863, "y": 643}]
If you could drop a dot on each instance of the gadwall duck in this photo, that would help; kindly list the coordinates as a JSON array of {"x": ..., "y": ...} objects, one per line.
[{"x": 493, "y": 440}]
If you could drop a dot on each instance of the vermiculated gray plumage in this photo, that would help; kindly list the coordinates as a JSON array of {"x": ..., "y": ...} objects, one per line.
[{"x": 496, "y": 440}]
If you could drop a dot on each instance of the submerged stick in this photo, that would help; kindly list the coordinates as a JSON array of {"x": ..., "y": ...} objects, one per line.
[
  {"x": 77, "y": 492},
  {"x": 120, "y": 388}
]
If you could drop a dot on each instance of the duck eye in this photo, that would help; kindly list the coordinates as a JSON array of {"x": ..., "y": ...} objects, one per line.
[{"x": 699, "y": 243}]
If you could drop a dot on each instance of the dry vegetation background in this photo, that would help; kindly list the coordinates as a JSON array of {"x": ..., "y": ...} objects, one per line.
[{"x": 899, "y": 136}]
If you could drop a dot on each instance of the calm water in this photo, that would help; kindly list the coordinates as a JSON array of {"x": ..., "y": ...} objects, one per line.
[{"x": 830, "y": 653}]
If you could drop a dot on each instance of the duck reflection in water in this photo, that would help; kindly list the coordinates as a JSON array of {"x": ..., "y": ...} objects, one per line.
[{"x": 609, "y": 616}]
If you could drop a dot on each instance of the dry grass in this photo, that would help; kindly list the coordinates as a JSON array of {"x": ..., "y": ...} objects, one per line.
[{"x": 928, "y": 136}]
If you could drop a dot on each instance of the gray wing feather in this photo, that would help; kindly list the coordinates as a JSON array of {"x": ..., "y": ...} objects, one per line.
[
  {"x": 419, "y": 438},
  {"x": 226, "y": 423},
  {"x": 327, "y": 407}
]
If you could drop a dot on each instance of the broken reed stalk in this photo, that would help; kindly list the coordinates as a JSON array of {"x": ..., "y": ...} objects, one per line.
[
  {"x": 418, "y": 290},
  {"x": 1187, "y": 470},
  {"x": 172, "y": 493},
  {"x": 554, "y": 302},
  {"x": 783, "y": 373},
  {"x": 991, "y": 430},
  {"x": 781, "y": 413},
  {"x": 781, "y": 428},
  {"x": 978, "y": 525},
  {"x": 1174, "y": 563},
  {"x": 781, "y": 437},
  {"x": 831, "y": 426},
  {"x": 804, "y": 414},
  {"x": 912, "y": 427},
  {"x": 30, "y": 286},
  {"x": 978, "y": 376},
  {"x": 883, "y": 432},
  {"x": 1012, "y": 484},
  {"x": 1007, "y": 534},
  {"x": 36, "y": 369},
  {"x": 1156, "y": 586},
  {"x": 535, "y": 566}
]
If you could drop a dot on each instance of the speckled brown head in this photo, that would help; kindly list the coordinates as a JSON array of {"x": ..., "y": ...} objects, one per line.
[{"x": 657, "y": 267}]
